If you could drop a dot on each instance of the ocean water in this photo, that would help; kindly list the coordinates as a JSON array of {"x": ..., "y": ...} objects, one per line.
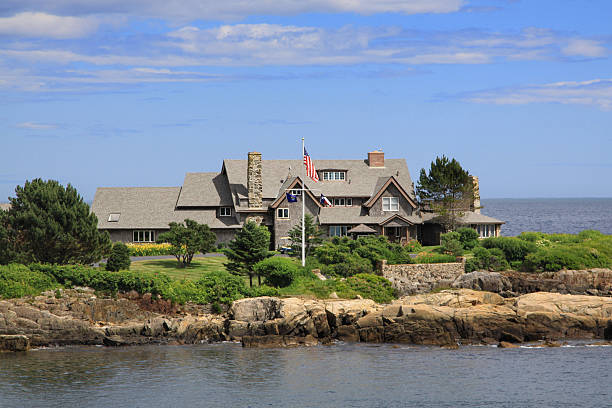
[
  {"x": 343, "y": 375},
  {"x": 551, "y": 215}
]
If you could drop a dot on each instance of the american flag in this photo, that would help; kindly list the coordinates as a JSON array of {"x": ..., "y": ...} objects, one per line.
[{"x": 310, "y": 168}]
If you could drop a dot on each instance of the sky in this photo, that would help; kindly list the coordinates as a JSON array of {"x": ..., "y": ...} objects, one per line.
[{"x": 103, "y": 93}]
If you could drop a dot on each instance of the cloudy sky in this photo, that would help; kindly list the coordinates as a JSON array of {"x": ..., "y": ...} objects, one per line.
[{"x": 138, "y": 92}]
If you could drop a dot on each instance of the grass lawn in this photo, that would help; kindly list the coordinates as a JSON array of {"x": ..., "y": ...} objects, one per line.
[{"x": 170, "y": 267}]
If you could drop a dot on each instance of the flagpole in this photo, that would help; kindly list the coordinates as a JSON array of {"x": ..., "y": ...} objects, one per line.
[{"x": 303, "y": 215}]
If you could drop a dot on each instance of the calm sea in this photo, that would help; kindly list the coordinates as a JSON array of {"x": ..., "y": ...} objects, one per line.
[
  {"x": 551, "y": 215},
  {"x": 344, "y": 375}
]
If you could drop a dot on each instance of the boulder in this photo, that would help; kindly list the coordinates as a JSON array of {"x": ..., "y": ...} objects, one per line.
[
  {"x": 483, "y": 280},
  {"x": 255, "y": 309},
  {"x": 15, "y": 342}
]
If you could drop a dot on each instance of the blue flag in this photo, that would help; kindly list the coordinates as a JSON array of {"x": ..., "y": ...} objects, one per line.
[{"x": 291, "y": 198}]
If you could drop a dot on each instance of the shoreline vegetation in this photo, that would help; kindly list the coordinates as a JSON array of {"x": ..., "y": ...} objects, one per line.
[{"x": 204, "y": 296}]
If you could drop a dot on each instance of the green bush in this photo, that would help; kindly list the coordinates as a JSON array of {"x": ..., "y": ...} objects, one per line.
[
  {"x": 450, "y": 244},
  {"x": 367, "y": 286},
  {"x": 515, "y": 249},
  {"x": 487, "y": 259},
  {"x": 278, "y": 272},
  {"x": 558, "y": 258},
  {"x": 468, "y": 237},
  {"x": 119, "y": 258},
  {"x": 352, "y": 264},
  {"x": 432, "y": 257},
  {"x": 263, "y": 290},
  {"x": 18, "y": 280}
]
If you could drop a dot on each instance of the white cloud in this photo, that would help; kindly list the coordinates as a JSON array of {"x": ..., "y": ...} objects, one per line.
[
  {"x": 596, "y": 92},
  {"x": 584, "y": 48},
  {"x": 44, "y": 25},
  {"x": 188, "y": 10},
  {"x": 36, "y": 126}
]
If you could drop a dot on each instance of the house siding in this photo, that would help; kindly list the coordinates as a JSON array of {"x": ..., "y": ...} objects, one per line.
[
  {"x": 283, "y": 226},
  {"x": 405, "y": 209}
]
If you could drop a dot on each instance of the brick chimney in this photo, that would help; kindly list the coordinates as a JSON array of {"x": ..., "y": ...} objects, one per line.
[
  {"x": 254, "y": 180},
  {"x": 376, "y": 159},
  {"x": 476, "y": 203}
]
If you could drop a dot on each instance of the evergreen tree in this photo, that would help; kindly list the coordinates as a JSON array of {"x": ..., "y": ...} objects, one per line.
[
  {"x": 50, "y": 223},
  {"x": 312, "y": 232},
  {"x": 188, "y": 239},
  {"x": 119, "y": 258},
  {"x": 447, "y": 189},
  {"x": 248, "y": 247}
]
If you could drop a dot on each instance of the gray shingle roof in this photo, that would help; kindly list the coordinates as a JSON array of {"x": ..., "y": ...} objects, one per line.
[
  {"x": 149, "y": 207},
  {"x": 467, "y": 218},
  {"x": 361, "y": 180},
  {"x": 355, "y": 215},
  {"x": 204, "y": 190}
]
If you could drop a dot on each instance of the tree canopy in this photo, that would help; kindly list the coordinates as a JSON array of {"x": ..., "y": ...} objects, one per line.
[
  {"x": 249, "y": 246},
  {"x": 447, "y": 189},
  {"x": 50, "y": 223},
  {"x": 188, "y": 239}
]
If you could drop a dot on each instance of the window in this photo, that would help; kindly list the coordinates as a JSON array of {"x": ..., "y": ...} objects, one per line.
[
  {"x": 225, "y": 212},
  {"x": 342, "y": 202},
  {"x": 334, "y": 175},
  {"x": 282, "y": 213},
  {"x": 114, "y": 217},
  {"x": 295, "y": 192},
  {"x": 390, "y": 204},
  {"x": 485, "y": 231},
  {"x": 338, "y": 230},
  {"x": 144, "y": 236}
]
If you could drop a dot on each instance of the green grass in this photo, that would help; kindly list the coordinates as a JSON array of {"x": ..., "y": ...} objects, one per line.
[{"x": 170, "y": 267}]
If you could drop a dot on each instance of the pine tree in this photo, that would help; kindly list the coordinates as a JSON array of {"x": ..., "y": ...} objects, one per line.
[
  {"x": 312, "y": 232},
  {"x": 50, "y": 223},
  {"x": 248, "y": 247}
]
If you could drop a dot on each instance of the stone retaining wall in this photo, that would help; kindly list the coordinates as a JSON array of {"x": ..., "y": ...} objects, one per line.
[{"x": 410, "y": 279}]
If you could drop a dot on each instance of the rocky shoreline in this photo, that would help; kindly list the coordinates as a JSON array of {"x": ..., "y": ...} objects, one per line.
[{"x": 447, "y": 318}]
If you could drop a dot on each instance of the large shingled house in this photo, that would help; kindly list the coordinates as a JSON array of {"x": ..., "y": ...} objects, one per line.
[{"x": 371, "y": 196}]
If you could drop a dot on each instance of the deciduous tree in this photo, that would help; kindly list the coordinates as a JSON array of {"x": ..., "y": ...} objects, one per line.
[{"x": 188, "y": 239}]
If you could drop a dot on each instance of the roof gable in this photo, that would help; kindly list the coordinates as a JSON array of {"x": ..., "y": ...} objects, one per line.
[
  {"x": 390, "y": 181},
  {"x": 291, "y": 185}
]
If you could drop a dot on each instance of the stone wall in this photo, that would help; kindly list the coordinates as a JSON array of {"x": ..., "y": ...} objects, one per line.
[{"x": 411, "y": 279}]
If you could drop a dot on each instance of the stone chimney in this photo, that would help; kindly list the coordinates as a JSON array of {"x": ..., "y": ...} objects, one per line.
[
  {"x": 254, "y": 180},
  {"x": 376, "y": 159},
  {"x": 476, "y": 203}
]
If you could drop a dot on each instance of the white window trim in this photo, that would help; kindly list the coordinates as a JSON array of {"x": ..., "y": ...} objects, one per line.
[
  {"x": 342, "y": 201},
  {"x": 221, "y": 212},
  {"x": 284, "y": 211},
  {"x": 139, "y": 232},
  {"x": 389, "y": 204},
  {"x": 333, "y": 175},
  {"x": 295, "y": 192}
]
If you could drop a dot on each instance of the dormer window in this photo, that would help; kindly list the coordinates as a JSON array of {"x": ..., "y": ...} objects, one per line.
[
  {"x": 225, "y": 212},
  {"x": 334, "y": 175},
  {"x": 390, "y": 203}
]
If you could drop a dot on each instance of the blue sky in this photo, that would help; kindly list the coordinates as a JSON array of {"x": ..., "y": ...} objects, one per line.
[{"x": 138, "y": 92}]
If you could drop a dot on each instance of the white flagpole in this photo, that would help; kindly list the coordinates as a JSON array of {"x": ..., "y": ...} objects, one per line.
[{"x": 303, "y": 214}]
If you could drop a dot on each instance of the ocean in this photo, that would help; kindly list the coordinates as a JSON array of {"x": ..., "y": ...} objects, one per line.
[
  {"x": 551, "y": 215},
  {"x": 343, "y": 375}
]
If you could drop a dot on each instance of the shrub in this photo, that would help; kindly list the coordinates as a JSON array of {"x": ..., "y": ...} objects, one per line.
[
  {"x": 368, "y": 286},
  {"x": 352, "y": 264},
  {"x": 431, "y": 257},
  {"x": 487, "y": 259},
  {"x": 279, "y": 272},
  {"x": 450, "y": 244},
  {"x": 18, "y": 280},
  {"x": 557, "y": 258},
  {"x": 468, "y": 237},
  {"x": 514, "y": 249},
  {"x": 263, "y": 290},
  {"x": 222, "y": 287},
  {"x": 119, "y": 258}
]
